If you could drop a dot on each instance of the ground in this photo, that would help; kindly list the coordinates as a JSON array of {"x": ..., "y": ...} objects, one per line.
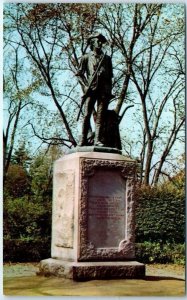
[{"x": 160, "y": 280}]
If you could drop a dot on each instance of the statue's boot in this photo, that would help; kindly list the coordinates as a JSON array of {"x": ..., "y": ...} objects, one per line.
[
  {"x": 97, "y": 141},
  {"x": 85, "y": 129},
  {"x": 99, "y": 144}
]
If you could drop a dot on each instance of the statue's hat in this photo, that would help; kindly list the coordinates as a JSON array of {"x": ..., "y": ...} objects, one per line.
[{"x": 97, "y": 35}]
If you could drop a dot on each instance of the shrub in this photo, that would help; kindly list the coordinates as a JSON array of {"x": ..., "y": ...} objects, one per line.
[
  {"x": 160, "y": 215},
  {"x": 26, "y": 219},
  {"x": 148, "y": 252},
  {"x": 26, "y": 250},
  {"x": 17, "y": 181},
  {"x": 27, "y": 229}
]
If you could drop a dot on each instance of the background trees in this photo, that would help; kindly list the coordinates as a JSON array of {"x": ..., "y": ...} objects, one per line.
[
  {"x": 146, "y": 42},
  {"x": 146, "y": 38},
  {"x": 27, "y": 205}
]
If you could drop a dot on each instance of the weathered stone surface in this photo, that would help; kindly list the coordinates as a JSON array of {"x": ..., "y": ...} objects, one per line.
[
  {"x": 63, "y": 209},
  {"x": 92, "y": 270},
  {"x": 110, "y": 181},
  {"x": 93, "y": 207},
  {"x": 93, "y": 218}
]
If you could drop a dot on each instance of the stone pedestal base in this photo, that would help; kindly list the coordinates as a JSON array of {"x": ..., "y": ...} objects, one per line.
[
  {"x": 92, "y": 270},
  {"x": 93, "y": 217}
]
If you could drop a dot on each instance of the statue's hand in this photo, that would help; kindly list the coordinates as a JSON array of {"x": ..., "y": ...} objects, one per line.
[{"x": 101, "y": 71}]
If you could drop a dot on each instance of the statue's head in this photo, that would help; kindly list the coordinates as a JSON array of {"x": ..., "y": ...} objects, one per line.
[{"x": 96, "y": 40}]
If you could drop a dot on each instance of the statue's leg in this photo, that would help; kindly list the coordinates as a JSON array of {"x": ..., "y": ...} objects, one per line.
[
  {"x": 89, "y": 105},
  {"x": 101, "y": 115}
]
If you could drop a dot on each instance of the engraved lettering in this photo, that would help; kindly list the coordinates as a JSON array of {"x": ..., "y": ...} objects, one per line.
[{"x": 106, "y": 209}]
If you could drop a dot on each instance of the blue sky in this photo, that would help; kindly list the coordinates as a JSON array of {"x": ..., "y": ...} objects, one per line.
[{"x": 128, "y": 124}]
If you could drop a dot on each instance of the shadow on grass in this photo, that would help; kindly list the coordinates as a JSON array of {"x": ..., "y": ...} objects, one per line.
[{"x": 158, "y": 278}]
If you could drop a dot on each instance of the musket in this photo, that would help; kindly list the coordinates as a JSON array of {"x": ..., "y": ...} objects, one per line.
[{"x": 84, "y": 97}]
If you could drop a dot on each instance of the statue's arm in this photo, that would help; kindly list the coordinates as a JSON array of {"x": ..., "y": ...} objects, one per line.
[
  {"x": 82, "y": 66},
  {"x": 82, "y": 70}
]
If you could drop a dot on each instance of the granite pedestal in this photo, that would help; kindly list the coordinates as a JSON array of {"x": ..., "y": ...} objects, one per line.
[{"x": 93, "y": 218}]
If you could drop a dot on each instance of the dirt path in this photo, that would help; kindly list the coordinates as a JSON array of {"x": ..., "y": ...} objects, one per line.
[{"x": 161, "y": 280}]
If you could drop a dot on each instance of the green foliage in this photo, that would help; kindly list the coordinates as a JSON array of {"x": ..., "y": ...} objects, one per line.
[
  {"x": 148, "y": 252},
  {"x": 26, "y": 219},
  {"x": 17, "y": 181},
  {"x": 160, "y": 214},
  {"x": 41, "y": 177},
  {"x": 21, "y": 156},
  {"x": 26, "y": 250},
  {"x": 41, "y": 173},
  {"x": 177, "y": 182},
  {"x": 27, "y": 207}
]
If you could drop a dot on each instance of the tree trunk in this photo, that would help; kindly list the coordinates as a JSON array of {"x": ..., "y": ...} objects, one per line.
[{"x": 148, "y": 163}]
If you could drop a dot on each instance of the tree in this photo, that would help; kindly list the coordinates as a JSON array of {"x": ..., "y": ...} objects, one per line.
[
  {"x": 40, "y": 28},
  {"x": 17, "y": 183},
  {"x": 17, "y": 100},
  {"x": 148, "y": 68},
  {"x": 147, "y": 46},
  {"x": 41, "y": 173},
  {"x": 21, "y": 156}
]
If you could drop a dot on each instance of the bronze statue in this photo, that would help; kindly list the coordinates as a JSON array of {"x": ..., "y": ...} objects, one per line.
[{"x": 95, "y": 71}]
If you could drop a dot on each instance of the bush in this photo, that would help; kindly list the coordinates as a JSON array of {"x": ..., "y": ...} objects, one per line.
[
  {"x": 148, "y": 252},
  {"x": 160, "y": 215},
  {"x": 26, "y": 219},
  {"x": 27, "y": 230},
  {"x": 17, "y": 181},
  {"x": 26, "y": 250}
]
